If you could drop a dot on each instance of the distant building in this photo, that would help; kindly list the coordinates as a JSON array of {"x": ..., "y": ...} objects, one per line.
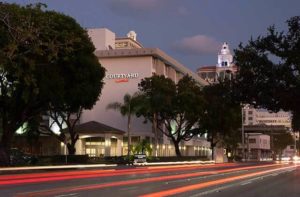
[
  {"x": 223, "y": 69},
  {"x": 258, "y": 146},
  {"x": 254, "y": 116}
]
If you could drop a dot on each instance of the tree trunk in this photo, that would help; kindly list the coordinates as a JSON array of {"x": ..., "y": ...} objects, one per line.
[
  {"x": 71, "y": 145},
  {"x": 177, "y": 150},
  {"x": 212, "y": 152},
  {"x": 5, "y": 145},
  {"x": 280, "y": 155},
  {"x": 212, "y": 145},
  {"x": 71, "y": 148},
  {"x": 4, "y": 155}
]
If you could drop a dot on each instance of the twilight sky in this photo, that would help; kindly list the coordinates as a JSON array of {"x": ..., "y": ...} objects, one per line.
[{"x": 191, "y": 31}]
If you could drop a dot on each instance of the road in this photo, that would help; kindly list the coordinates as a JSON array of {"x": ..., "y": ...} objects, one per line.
[{"x": 247, "y": 180}]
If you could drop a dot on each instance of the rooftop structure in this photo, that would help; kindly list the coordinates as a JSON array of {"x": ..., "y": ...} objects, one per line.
[{"x": 223, "y": 69}]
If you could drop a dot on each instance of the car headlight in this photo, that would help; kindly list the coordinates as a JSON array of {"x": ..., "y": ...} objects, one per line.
[
  {"x": 296, "y": 158},
  {"x": 285, "y": 158}
]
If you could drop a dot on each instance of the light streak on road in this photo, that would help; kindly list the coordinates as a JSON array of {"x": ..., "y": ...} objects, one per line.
[
  {"x": 211, "y": 183},
  {"x": 45, "y": 177},
  {"x": 137, "y": 181}
]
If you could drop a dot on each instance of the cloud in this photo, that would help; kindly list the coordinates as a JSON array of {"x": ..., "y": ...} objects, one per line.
[
  {"x": 134, "y": 7},
  {"x": 197, "y": 45}
]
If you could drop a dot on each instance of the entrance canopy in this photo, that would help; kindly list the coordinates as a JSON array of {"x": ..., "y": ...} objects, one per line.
[{"x": 93, "y": 127}]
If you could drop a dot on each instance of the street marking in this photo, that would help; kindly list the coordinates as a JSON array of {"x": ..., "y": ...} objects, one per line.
[
  {"x": 246, "y": 183},
  {"x": 228, "y": 186},
  {"x": 129, "y": 188},
  {"x": 204, "y": 177},
  {"x": 213, "y": 190},
  {"x": 63, "y": 195}
]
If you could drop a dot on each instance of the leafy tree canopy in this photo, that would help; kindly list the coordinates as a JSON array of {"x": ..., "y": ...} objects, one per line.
[
  {"x": 281, "y": 141},
  {"x": 269, "y": 75},
  {"x": 46, "y": 61},
  {"x": 178, "y": 106},
  {"x": 222, "y": 117}
]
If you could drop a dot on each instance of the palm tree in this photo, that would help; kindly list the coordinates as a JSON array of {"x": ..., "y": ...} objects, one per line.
[
  {"x": 143, "y": 147},
  {"x": 127, "y": 108}
]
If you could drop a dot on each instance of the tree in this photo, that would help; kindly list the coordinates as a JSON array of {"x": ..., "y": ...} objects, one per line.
[
  {"x": 281, "y": 141},
  {"x": 222, "y": 117},
  {"x": 157, "y": 93},
  {"x": 270, "y": 68},
  {"x": 128, "y": 108},
  {"x": 46, "y": 62},
  {"x": 179, "y": 109},
  {"x": 66, "y": 122},
  {"x": 143, "y": 147}
]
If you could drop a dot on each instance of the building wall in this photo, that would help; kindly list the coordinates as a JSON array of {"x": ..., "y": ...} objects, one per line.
[
  {"x": 260, "y": 116},
  {"x": 137, "y": 63},
  {"x": 258, "y": 141},
  {"x": 115, "y": 89},
  {"x": 103, "y": 39}
]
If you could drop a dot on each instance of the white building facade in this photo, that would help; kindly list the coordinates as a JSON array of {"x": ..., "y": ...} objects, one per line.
[
  {"x": 263, "y": 117},
  {"x": 126, "y": 63},
  {"x": 258, "y": 147},
  {"x": 223, "y": 69}
]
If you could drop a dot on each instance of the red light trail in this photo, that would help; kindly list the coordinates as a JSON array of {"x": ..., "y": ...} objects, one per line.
[
  {"x": 135, "y": 181},
  {"x": 209, "y": 183},
  {"x": 43, "y": 177}
]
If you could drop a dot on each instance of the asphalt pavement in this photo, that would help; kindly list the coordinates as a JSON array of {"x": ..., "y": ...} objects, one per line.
[{"x": 211, "y": 180}]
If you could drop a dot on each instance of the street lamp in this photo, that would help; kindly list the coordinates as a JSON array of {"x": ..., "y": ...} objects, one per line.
[{"x": 243, "y": 135}]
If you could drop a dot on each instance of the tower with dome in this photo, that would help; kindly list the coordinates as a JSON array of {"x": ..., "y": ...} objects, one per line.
[{"x": 223, "y": 69}]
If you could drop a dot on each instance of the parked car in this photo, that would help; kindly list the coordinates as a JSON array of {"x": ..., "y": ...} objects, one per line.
[
  {"x": 17, "y": 157},
  {"x": 140, "y": 158}
]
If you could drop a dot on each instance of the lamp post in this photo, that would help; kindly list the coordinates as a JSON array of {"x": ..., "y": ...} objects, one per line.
[{"x": 243, "y": 135}]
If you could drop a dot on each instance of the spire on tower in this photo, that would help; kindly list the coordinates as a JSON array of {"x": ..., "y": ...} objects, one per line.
[{"x": 225, "y": 57}]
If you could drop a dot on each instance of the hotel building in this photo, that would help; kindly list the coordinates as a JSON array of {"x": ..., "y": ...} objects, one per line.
[{"x": 103, "y": 132}]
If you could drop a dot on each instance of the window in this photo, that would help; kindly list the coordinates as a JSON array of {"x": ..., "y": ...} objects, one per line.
[
  {"x": 95, "y": 141},
  {"x": 135, "y": 139},
  {"x": 250, "y": 118},
  {"x": 252, "y": 141},
  {"x": 250, "y": 112},
  {"x": 203, "y": 75}
]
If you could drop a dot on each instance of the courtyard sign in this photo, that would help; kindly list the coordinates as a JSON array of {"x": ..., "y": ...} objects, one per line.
[{"x": 122, "y": 77}]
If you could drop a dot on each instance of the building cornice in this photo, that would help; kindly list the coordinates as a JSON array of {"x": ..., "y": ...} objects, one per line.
[{"x": 154, "y": 52}]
